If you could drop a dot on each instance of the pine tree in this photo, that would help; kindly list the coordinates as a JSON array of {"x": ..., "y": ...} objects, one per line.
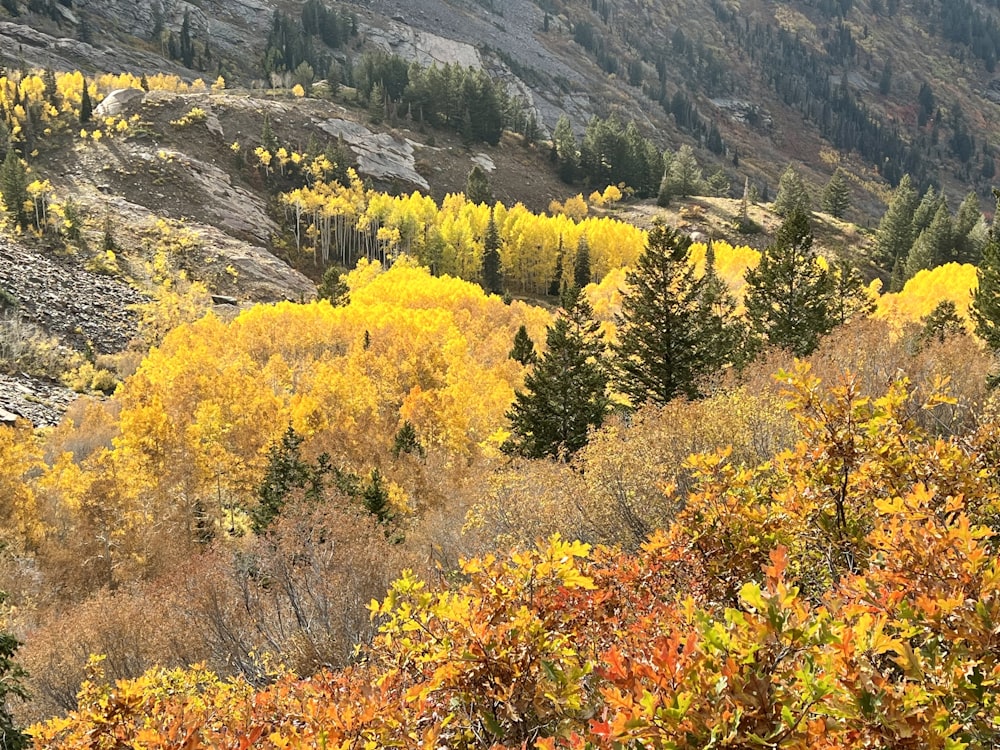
[
  {"x": 286, "y": 472},
  {"x": 850, "y": 297},
  {"x": 477, "y": 187},
  {"x": 492, "y": 272},
  {"x": 376, "y": 497},
  {"x": 406, "y": 441},
  {"x": 685, "y": 175},
  {"x": 674, "y": 327},
  {"x": 565, "y": 394},
  {"x": 788, "y": 294},
  {"x": 186, "y": 45},
  {"x": 86, "y": 105},
  {"x": 966, "y": 219},
  {"x": 564, "y": 147},
  {"x": 837, "y": 195},
  {"x": 923, "y": 214},
  {"x": 581, "y": 264},
  {"x": 942, "y": 323},
  {"x": 14, "y": 187},
  {"x": 523, "y": 350},
  {"x": 894, "y": 236},
  {"x": 985, "y": 310},
  {"x": 719, "y": 184},
  {"x": 12, "y": 677},
  {"x": 555, "y": 285},
  {"x": 792, "y": 195}
]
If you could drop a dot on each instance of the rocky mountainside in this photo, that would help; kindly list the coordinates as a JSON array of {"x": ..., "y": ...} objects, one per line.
[{"x": 877, "y": 87}]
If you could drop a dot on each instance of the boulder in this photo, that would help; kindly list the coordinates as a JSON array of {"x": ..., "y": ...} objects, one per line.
[{"x": 118, "y": 101}]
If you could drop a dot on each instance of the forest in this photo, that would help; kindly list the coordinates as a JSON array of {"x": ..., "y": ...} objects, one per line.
[{"x": 515, "y": 479}]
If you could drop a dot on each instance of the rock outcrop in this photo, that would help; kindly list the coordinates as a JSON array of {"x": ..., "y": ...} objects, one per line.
[{"x": 379, "y": 154}]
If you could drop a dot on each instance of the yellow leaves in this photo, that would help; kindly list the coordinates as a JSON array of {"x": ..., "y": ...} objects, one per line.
[
  {"x": 298, "y": 91},
  {"x": 925, "y": 291}
]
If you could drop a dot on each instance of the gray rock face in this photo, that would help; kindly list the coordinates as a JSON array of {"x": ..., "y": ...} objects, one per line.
[
  {"x": 422, "y": 47},
  {"x": 379, "y": 154},
  {"x": 40, "y": 402},
  {"x": 60, "y": 295}
]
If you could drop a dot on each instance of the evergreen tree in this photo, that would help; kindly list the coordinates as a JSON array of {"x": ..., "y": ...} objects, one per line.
[
  {"x": 376, "y": 497},
  {"x": 406, "y": 441},
  {"x": 581, "y": 264},
  {"x": 674, "y": 327},
  {"x": 14, "y": 187},
  {"x": 286, "y": 472},
  {"x": 86, "y": 105},
  {"x": 894, "y": 236},
  {"x": 555, "y": 285},
  {"x": 666, "y": 188},
  {"x": 968, "y": 216},
  {"x": 477, "y": 187},
  {"x": 985, "y": 308},
  {"x": 789, "y": 293},
  {"x": 564, "y": 147},
  {"x": 837, "y": 195},
  {"x": 719, "y": 184},
  {"x": 523, "y": 350},
  {"x": 186, "y": 44},
  {"x": 11, "y": 686},
  {"x": 942, "y": 323},
  {"x": 934, "y": 246},
  {"x": 267, "y": 138},
  {"x": 492, "y": 272},
  {"x": 685, "y": 175},
  {"x": 565, "y": 394},
  {"x": 792, "y": 195},
  {"x": 923, "y": 214},
  {"x": 850, "y": 296}
]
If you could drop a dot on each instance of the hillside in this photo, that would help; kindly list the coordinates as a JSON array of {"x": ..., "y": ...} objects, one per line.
[{"x": 880, "y": 88}]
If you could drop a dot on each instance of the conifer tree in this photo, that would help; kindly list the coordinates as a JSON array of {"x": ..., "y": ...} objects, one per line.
[
  {"x": 837, "y": 195},
  {"x": 792, "y": 195},
  {"x": 894, "y": 236},
  {"x": 719, "y": 184},
  {"x": 942, "y": 323},
  {"x": 376, "y": 497},
  {"x": 968, "y": 216},
  {"x": 86, "y": 105},
  {"x": 565, "y": 394},
  {"x": 685, "y": 175},
  {"x": 523, "y": 350},
  {"x": 11, "y": 686},
  {"x": 555, "y": 285},
  {"x": 850, "y": 297},
  {"x": 492, "y": 272},
  {"x": 564, "y": 147},
  {"x": 14, "y": 187},
  {"x": 477, "y": 186},
  {"x": 186, "y": 45},
  {"x": 923, "y": 214},
  {"x": 674, "y": 326},
  {"x": 581, "y": 264},
  {"x": 788, "y": 294},
  {"x": 286, "y": 472},
  {"x": 985, "y": 310},
  {"x": 406, "y": 441}
]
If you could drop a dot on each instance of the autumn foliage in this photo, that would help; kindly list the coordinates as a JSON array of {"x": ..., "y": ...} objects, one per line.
[{"x": 844, "y": 594}]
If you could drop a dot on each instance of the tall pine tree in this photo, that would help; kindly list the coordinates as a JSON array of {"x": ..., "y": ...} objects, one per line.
[
  {"x": 792, "y": 194},
  {"x": 675, "y": 326},
  {"x": 894, "y": 236},
  {"x": 985, "y": 308},
  {"x": 492, "y": 271},
  {"x": 14, "y": 187},
  {"x": 789, "y": 293},
  {"x": 565, "y": 394},
  {"x": 837, "y": 195}
]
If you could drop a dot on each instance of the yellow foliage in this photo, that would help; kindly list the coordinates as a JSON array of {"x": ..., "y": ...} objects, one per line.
[{"x": 925, "y": 291}]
